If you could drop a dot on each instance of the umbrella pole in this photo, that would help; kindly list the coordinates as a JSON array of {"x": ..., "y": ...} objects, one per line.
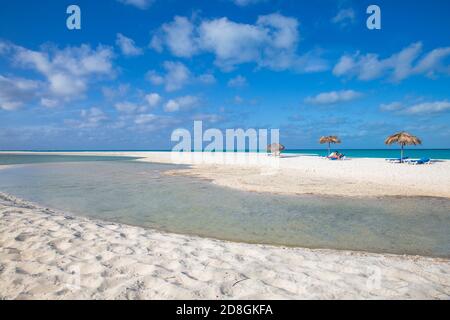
[
  {"x": 401, "y": 154},
  {"x": 329, "y": 146}
]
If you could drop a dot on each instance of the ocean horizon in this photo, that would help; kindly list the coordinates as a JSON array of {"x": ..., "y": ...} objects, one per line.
[{"x": 437, "y": 154}]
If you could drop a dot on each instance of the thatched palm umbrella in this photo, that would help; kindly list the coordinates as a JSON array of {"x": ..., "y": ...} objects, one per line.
[
  {"x": 403, "y": 138},
  {"x": 329, "y": 140},
  {"x": 275, "y": 148}
]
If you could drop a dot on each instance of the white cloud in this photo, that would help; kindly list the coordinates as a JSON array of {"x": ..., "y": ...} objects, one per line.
[
  {"x": 127, "y": 46},
  {"x": 114, "y": 92},
  {"x": 178, "y": 36},
  {"x": 233, "y": 43},
  {"x": 65, "y": 85},
  {"x": 270, "y": 43},
  {"x": 145, "y": 118},
  {"x": 140, "y": 4},
  {"x": 67, "y": 71},
  {"x": 344, "y": 17},
  {"x": 433, "y": 62},
  {"x": 155, "y": 78},
  {"x": 94, "y": 115},
  {"x": 89, "y": 118},
  {"x": 49, "y": 103},
  {"x": 15, "y": 92},
  {"x": 237, "y": 82},
  {"x": 172, "y": 106},
  {"x": 3, "y": 47},
  {"x": 153, "y": 122},
  {"x": 398, "y": 67},
  {"x": 393, "y": 106},
  {"x": 428, "y": 107},
  {"x": 206, "y": 78},
  {"x": 153, "y": 99},
  {"x": 181, "y": 103},
  {"x": 334, "y": 97},
  {"x": 129, "y": 107},
  {"x": 177, "y": 75}
]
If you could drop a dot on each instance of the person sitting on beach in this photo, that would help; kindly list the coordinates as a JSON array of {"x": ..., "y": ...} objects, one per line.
[{"x": 335, "y": 155}]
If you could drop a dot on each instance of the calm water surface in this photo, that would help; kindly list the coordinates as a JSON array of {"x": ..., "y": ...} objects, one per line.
[
  {"x": 141, "y": 194},
  {"x": 8, "y": 159}
]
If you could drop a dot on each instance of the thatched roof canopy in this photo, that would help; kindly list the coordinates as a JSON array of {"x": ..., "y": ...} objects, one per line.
[
  {"x": 403, "y": 138},
  {"x": 275, "y": 147},
  {"x": 329, "y": 139}
]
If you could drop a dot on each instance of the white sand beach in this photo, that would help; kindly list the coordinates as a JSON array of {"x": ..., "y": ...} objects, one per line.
[
  {"x": 46, "y": 254},
  {"x": 314, "y": 175}
]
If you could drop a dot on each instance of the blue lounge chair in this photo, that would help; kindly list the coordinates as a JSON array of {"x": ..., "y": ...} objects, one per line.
[{"x": 420, "y": 161}]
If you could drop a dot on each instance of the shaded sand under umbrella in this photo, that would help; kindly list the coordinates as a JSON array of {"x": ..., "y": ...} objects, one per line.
[
  {"x": 329, "y": 140},
  {"x": 403, "y": 139},
  {"x": 275, "y": 148}
]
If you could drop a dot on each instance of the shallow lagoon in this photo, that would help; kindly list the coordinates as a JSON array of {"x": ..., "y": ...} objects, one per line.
[{"x": 141, "y": 194}]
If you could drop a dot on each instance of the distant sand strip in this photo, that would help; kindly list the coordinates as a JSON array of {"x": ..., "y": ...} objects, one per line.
[{"x": 49, "y": 255}]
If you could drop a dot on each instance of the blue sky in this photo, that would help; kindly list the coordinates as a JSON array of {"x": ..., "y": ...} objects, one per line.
[{"x": 138, "y": 69}]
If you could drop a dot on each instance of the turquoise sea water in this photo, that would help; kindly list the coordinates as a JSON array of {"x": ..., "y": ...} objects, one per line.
[
  {"x": 138, "y": 193},
  {"x": 439, "y": 154}
]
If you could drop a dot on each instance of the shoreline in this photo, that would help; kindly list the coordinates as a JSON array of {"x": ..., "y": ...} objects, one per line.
[{"x": 40, "y": 248}]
